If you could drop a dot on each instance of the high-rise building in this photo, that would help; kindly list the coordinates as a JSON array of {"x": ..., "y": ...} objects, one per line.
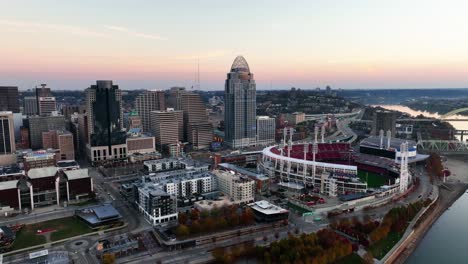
[
  {"x": 45, "y": 100},
  {"x": 266, "y": 127},
  {"x": 167, "y": 127},
  {"x": 147, "y": 102},
  {"x": 43, "y": 91},
  {"x": 197, "y": 129},
  {"x": 30, "y": 105},
  {"x": 7, "y": 138},
  {"x": 61, "y": 141},
  {"x": 240, "y": 105},
  {"x": 173, "y": 99},
  {"x": 46, "y": 105},
  {"x": 384, "y": 120},
  {"x": 9, "y": 99},
  {"x": 39, "y": 124},
  {"x": 105, "y": 122}
]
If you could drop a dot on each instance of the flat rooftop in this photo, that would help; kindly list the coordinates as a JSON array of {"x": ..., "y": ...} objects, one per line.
[
  {"x": 267, "y": 208},
  {"x": 374, "y": 141},
  {"x": 241, "y": 170},
  {"x": 98, "y": 214}
]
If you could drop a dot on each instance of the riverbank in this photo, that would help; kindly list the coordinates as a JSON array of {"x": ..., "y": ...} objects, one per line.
[{"x": 447, "y": 196}]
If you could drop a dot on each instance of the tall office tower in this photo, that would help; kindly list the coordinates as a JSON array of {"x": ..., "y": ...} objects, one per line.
[
  {"x": 61, "y": 141},
  {"x": 43, "y": 91},
  {"x": 147, "y": 102},
  {"x": 266, "y": 127},
  {"x": 105, "y": 122},
  {"x": 38, "y": 124},
  {"x": 46, "y": 105},
  {"x": 384, "y": 120},
  {"x": 167, "y": 127},
  {"x": 82, "y": 133},
  {"x": 7, "y": 138},
  {"x": 173, "y": 99},
  {"x": 240, "y": 105},
  {"x": 197, "y": 129},
  {"x": 9, "y": 99},
  {"x": 30, "y": 105}
]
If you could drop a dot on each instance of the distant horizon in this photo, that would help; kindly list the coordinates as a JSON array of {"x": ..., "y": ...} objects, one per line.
[{"x": 221, "y": 90}]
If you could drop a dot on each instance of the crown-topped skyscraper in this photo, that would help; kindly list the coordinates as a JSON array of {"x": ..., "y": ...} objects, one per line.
[{"x": 240, "y": 105}]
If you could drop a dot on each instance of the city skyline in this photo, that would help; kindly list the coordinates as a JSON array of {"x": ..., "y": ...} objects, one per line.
[{"x": 156, "y": 45}]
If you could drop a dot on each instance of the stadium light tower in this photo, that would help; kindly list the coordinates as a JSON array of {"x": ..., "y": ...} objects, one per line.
[{"x": 404, "y": 175}]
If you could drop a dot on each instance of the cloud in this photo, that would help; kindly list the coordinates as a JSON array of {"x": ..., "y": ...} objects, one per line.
[
  {"x": 134, "y": 33},
  {"x": 26, "y": 26}
]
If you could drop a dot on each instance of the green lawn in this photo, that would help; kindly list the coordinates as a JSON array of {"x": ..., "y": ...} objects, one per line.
[
  {"x": 373, "y": 180},
  {"x": 351, "y": 259},
  {"x": 381, "y": 248},
  {"x": 298, "y": 208},
  {"x": 65, "y": 227},
  {"x": 27, "y": 237},
  {"x": 68, "y": 227}
]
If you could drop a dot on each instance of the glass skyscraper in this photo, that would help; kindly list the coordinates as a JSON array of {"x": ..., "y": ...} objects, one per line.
[
  {"x": 240, "y": 106},
  {"x": 105, "y": 121}
]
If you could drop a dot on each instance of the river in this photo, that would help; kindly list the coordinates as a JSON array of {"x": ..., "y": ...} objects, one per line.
[
  {"x": 459, "y": 125},
  {"x": 447, "y": 240}
]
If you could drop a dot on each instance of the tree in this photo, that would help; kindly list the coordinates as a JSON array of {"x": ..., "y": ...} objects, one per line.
[
  {"x": 108, "y": 258},
  {"x": 182, "y": 231},
  {"x": 182, "y": 218}
]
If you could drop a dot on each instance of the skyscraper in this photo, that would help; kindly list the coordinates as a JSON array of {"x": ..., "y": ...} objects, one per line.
[
  {"x": 7, "y": 138},
  {"x": 240, "y": 105},
  {"x": 30, "y": 105},
  {"x": 266, "y": 127},
  {"x": 44, "y": 100},
  {"x": 197, "y": 129},
  {"x": 46, "y": 105},
  {"x": 167, "y": 127},
  {"x": 9, "y": 99},
  {"x": 147, "y": 102},
  {"x": 105, "y": 122}
]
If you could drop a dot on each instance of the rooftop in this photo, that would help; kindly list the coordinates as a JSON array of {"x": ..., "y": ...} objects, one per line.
[
  {"x": 241, "y": 170},
  {"x": 374, "y": 141},
  {"x": 7, "y": 185},
  {"x": 240, "y": 64},
  {"x": 267, "y": 208},
  {"x": 77, "y": 174},
  {"x": 37, "y": 173},
  {"x": 99, "y": 214}
]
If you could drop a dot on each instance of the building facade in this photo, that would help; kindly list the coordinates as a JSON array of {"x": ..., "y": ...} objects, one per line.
[
  {"x": 9, "y": 99},
  {"x": 240, "y": 105},
  {"x": 147, "y": 102},
  {"x": 266, "y": 128},
  {"x": 197, "y": 129},
  {"x": 46, "y": 105},
  {"x": 107, "y": 139},
  {"x": 62, "y": 141},
  {"x": 239, "y": 189},
  {"x": 167, "y": 127},
  {"x": 30, "y": 105},
  {"x": 157, "y": 206},
  {"x": 7, "y": 138},
  {"x": 39, "y": 124}
]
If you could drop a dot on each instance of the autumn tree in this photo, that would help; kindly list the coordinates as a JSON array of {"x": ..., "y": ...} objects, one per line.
[{"x": 108, "y": 258}]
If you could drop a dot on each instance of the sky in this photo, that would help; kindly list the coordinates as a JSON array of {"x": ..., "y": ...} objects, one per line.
[{"x": 153, "y": 44}]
